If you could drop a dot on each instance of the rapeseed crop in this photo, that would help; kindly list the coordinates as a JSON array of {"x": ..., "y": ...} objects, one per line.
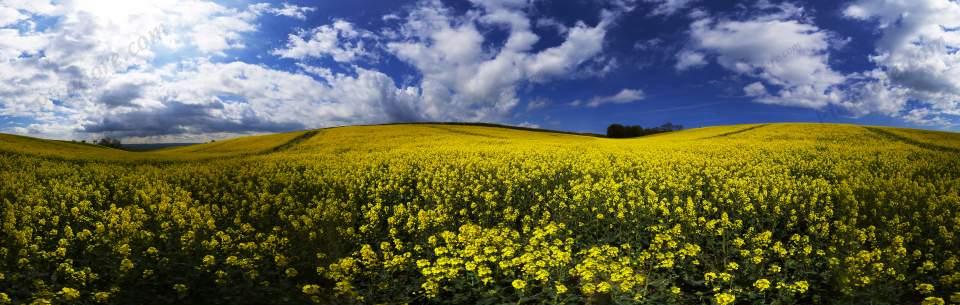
[{"x": 441, "y": 214}]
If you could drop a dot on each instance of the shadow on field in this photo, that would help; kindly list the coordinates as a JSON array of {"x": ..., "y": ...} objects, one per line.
[
  {"x": 895, "y": 137},
  {"x": 735, "y": 132}
]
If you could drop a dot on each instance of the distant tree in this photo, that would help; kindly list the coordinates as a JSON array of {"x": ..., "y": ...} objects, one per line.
[
  {"x": 634, "y": 131},
  {"x": 83, "y": 141},
  {"x": 616, "y": 131},
  {"x": 619, "y": 131},
  {"x": 109, "y": 142},
  {"x": 670, "y": 127}
]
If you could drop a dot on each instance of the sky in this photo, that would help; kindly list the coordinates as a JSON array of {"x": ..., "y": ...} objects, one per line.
[{"x": 192, "y": 70}]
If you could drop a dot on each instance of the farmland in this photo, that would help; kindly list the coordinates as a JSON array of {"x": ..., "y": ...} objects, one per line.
[{"x": 456, "y": 214}]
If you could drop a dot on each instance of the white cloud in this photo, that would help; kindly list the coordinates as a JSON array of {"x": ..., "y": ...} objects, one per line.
[
  {"x": 779, "y": 47},
  {"x": 340, "y": 41},
  {"x": 32, "y": 7},
  {"x": 94, "y": 43},
  {"x": 9, "y": 16},
  {"x": 756, "y": 89},
  {"x": 527, "y": 125},
  {"x": 689, "y": 59},
  {"x": 623, "y": 97},
  {"x": 464, "y": 79},
  {"x": 292, "y": 11},
  {"x": 239, "y": 97},
  {"x": 460, "y": 75},
  {"x": 646, "y": 45},
  {"x": 547, "y": 22},
  {"x": 583, "y": 42},
  {"x": 916, "y": 56},
  {"x": 668, "y": 7},
  {"x": 537, "y": 103},
  {"x": 926, "y": 117}
]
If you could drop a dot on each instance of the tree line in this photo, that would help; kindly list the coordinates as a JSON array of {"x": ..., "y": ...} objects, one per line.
[
  {"x": 106, "y": 142},
  {"x": 619, "y": 131}
]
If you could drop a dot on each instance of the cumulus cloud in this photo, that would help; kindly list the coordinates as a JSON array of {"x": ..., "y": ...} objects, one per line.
[
  {"x": 689, "y": 59},
  {"x": 340, "y": 41},
  {"x": 756, "y": 89},
  {"x": 175, "y": 118},
  {"x": 781, "y": 47},
  {"x": 92, "y": 69},
  {"x": 787, "y": 56},
  {"x": 9, "y": 16},
  {"x": 239, "y": 97},
  {"x": 463, "y": 79},
  {"x": 623, "y": 97},
  {"x": 916, "y": 58},
  {"x": 97, "y": 68}
]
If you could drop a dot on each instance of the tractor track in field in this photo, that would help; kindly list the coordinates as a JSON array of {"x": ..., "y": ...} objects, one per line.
[
  {"x": 293, "y": 142},
  {"x": 727, "y": 134},
  {"x": 464, "y": 132},
  {"x": 895, "y": 137}
]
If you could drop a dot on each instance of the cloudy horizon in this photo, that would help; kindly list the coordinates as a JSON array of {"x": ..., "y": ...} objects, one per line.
[{"x": 192, "y": 70}]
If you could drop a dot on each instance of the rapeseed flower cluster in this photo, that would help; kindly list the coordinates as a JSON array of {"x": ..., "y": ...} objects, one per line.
[{"x": 438, "y": 214}]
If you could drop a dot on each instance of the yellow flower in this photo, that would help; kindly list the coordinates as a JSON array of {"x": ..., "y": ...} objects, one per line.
[
  {"x": 724, "y": 298},
  {"x": 181, "y": 289},
  {"x": 675, "y": 290},
  {"x": 710, "y": 276},
  {"x": 209, "y": 260},
  {"x": 311, "y": 289},
  {"x": 775, "y": 269},
  {"x": 4, "y": 298},
  {"x": 101, "y": 297},
  {"x": 561, "y": 289},
  {"x": 799, "y": 287},
  {"x": 925, "y": 288},
  {"x": 604, "y": 287},
  {"x": 588, "y": 289},
  {"x": 932, "y": 301},
  {"x": 125, "y": 265},
  {"x": 69, "y": 294},
  {"x": 733, "y": 266},
  {"x": 519, "y": 284},
  {"x": 762, "y": 284}
]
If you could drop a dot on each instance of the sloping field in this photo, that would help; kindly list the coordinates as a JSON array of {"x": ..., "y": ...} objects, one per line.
[
  {"x": 250, "y": 145},
  {"x": 237, "y": 146},
  {"x": 40, "y": 147},
  {"x": 458, "y": 214}
]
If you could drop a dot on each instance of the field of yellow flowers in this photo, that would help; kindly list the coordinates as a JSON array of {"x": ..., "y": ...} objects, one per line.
[{"x": 450, "y": 214}]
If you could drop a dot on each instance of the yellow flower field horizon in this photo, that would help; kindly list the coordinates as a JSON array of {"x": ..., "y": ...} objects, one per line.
[{"x": 458, "y": 214}]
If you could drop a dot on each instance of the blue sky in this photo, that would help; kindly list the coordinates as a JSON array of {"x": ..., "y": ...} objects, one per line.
[{"x": 191, "y": 70}]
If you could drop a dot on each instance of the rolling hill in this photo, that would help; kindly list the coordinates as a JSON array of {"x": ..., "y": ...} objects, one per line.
[
  {"x": 418, "y": 135},
  {"x": 454, "y": 214}
]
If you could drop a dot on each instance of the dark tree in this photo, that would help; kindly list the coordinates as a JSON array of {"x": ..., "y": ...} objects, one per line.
[
  {"x": 109, "y": 142},
  {"x": 616, "y": 131}
]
